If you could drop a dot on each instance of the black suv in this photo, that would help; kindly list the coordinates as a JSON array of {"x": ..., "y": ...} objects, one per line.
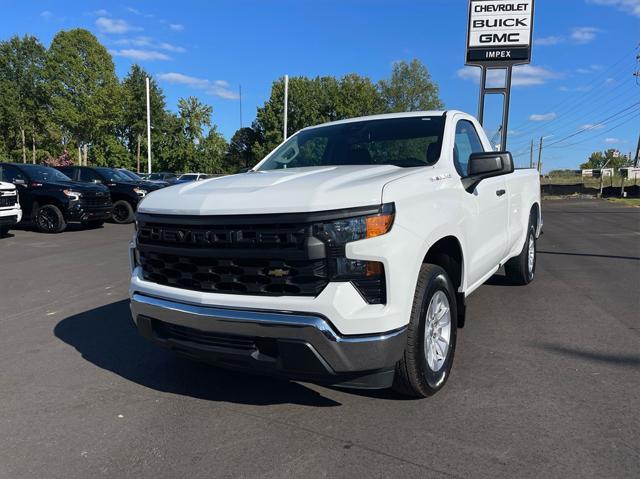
[
  {"x": 125, "y": 192},
  {"x": 51, "y": 199}
]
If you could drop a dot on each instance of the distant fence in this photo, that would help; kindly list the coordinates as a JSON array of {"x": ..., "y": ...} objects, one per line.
[{"x": 580, "y": 189}]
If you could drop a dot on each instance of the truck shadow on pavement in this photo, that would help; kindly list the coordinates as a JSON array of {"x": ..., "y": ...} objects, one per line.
[{"x": 106, "y": 337}]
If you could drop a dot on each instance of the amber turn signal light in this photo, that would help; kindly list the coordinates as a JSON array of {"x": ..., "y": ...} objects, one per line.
[{"x": 378, "y": 225}]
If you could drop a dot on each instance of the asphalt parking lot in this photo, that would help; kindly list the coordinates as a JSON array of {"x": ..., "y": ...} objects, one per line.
[{"x": 546, "y": 381}]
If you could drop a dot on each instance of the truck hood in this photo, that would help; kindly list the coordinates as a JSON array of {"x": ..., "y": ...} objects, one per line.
[{"x": 276, "y": 191}]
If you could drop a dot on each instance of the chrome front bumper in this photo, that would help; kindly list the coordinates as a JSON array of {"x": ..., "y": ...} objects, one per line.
[{"x": 302, "y": 345}]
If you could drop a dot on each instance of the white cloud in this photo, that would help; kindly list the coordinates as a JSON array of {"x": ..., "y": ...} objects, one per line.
[
  {"x": 135, "y": 11},
  {"x": 592, "y": 126},
  {"x": 218, "y": 88},
  {"x": 46, "y": 14},
  {"x": 584, "y": 34},
  {"x": 108, "y": 25},
  {"x": 548, "y": 41},
  {"x": 611, "y": 141},
  {"x": 630, "y": 6},
  {"x": 610, "y": 81},
  {"x": 543, "y": 116},
  {"x": 102, "y": 13},
  {"x": 176, "y": 27},
  {"x": 141, "y": 55},
  {"x": 142, "y": 41},
  {"x": 526, "y": 75},
  {"x": 581, "y": 88}
]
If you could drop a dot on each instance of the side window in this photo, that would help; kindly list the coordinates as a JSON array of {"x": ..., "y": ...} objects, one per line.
[
  {"x": 67, "y": 171},
  {"x": 11, "y": 173},
  {"x": 467, "y": 142},
  {"x": 88, "y": 175}
]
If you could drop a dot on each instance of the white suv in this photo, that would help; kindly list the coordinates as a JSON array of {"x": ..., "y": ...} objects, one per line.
[{"x": 10, "y": 211}]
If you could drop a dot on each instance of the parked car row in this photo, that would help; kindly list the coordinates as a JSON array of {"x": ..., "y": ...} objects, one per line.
[{"x": 53, "y": 197}]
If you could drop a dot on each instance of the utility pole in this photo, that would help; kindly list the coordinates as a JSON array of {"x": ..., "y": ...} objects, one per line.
[
  {"x": 540, "y": 155},
  {"x": 148, "y": 128},
  {"x": 531, "y": 155},
  {"x": 286, "y": 104},
  {"x": 636, "y": 161}
]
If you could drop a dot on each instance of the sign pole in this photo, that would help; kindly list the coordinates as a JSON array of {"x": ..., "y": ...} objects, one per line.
[
  {"x": 483, "y": 85},
  {"x": 505, "y": 110},
  {"x": 148, "y": 127},
  {"x": 499, "y": 36}
]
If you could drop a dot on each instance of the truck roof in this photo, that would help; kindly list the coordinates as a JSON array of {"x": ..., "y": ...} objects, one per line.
[{"x": 408, "y": 114}]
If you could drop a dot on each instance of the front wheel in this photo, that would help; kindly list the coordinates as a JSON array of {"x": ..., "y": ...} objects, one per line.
[
  {"x": 431, "y": 336},
  {"x": 122, "y": 212},
  {"x": 4, "y": 230},
  {"x": 49, "y": 219},
  {"x": 522, "y": 269}
]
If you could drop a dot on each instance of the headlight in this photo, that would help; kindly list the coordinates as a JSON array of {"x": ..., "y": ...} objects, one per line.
[
  {"x": 367, "y": 276},
  {"x": 140, "y": 191},
  {"x": 74, "y": 195},
  {"x": 346, "y": 230}
]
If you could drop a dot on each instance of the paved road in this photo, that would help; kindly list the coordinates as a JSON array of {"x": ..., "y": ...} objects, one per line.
[{"x": 546, "y": 381}]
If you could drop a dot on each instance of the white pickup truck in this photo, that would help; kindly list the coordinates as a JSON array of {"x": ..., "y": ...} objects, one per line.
[
  {"x": 344, "y": 257},
  {"x": 10, "y": 211}
]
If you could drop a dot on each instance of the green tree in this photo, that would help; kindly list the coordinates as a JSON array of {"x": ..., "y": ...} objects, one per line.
[
  {"x": 133, "y": 127},
  {"x": 23, "y": 109},
  {"x": 84, "y": 89},
  {"x": 410, "y": 88},
  {"x": 612, "y": 158},
  {"x": 313, "y": 101},
  {"x": 241, "y": 152},
  {"x": 195, "y": 115},
  {"x": 211, "y": 153}
]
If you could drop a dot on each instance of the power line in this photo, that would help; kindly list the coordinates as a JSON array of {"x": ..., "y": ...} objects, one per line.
[
  {"x": 607, "y": 72},
  {"x": 582, "y": 130}
]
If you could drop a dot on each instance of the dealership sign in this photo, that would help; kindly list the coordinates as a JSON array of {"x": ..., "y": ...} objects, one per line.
[{"x": 500, "y": 32}]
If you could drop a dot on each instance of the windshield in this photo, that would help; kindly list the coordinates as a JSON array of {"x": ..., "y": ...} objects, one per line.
[
  {"x": 189, "y": 177},
  {"x": 402, "y": 142},
  {"x": 112, "y": 175},
  {"x": 157, "y": 176},
  {"x": 44, "y": 173},
  {"x": 130, "y": 174}
]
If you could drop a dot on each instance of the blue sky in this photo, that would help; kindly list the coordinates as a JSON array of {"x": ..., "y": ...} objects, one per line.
[{"x": 581, "y": 74}]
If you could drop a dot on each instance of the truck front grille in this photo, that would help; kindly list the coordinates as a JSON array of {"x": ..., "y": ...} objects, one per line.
[
  {"x": 6, "y": 201},
  {"x": 251, "y": 259},
  {"x": 235, "y": 276},
  {"x": 95, "y": 201}
]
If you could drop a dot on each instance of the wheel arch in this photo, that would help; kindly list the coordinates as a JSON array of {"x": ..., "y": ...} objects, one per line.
[{"x": 447, "y": 253}]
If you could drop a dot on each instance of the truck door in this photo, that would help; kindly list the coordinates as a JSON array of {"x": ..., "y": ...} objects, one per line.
[{"x": 486, "y": 209}]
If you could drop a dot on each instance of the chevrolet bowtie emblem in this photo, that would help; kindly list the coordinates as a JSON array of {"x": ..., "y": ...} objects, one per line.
[{"x": 278, "y": 273}]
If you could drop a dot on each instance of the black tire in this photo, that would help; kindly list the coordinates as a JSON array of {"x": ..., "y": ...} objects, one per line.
[
  {"x": 91, "y": 224},
  {"x": 414, "y": 376},
  {"x": 49, "y": 219},
  {"x": 4, "y": 230},
  {"x": 520, "y": 271},
  {"x": 122, "y": 212}
]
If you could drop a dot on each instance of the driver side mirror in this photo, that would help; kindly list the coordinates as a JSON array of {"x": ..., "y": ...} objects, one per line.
[
  {"x": 487, "y": 165},
  {"x": 19, "y": 181}
]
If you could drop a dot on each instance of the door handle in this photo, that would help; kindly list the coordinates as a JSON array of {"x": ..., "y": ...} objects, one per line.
[{"x": 500, "y": 192}]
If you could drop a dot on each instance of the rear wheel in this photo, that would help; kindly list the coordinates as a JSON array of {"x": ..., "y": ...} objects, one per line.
[
  {"x": 49, "y": 219},
  {"x": 522, "y": 269},
  {"x": 122, "y": 212},
  {"x": 431, "y": 336},
  {"x": 3, "y": 231}
]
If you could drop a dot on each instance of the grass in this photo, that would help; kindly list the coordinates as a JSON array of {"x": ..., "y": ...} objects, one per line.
[
  {"x": 588, "y": 182},
  {"x": 626, "y": 201}
]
